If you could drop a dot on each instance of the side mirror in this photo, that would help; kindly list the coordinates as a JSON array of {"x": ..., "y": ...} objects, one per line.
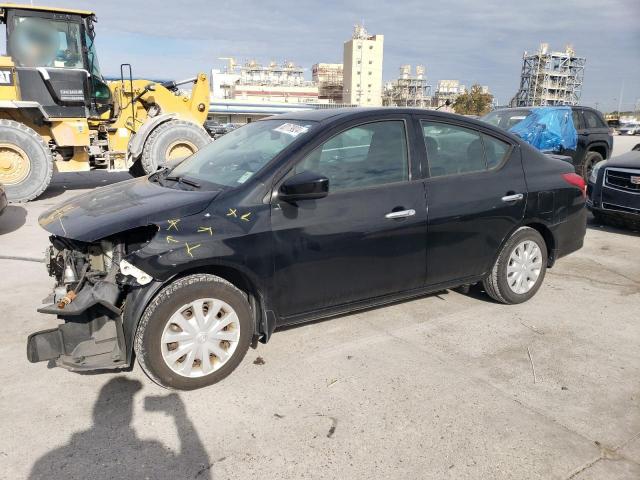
[{"x": 304, "y": 186}]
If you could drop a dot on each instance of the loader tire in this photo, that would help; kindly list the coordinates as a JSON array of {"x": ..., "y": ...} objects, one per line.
[
  {"x": 26, "y": 165},
  {"x": 170, "y": 143}
]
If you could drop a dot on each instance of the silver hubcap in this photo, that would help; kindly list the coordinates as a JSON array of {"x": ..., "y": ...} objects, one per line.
[
  {"x": 200, "y": 337},
  {"x": 524, "y": 267}
]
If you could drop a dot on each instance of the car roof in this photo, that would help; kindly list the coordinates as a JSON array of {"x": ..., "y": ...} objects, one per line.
[
  {"x": 326, "y": 116},
  {"x": 357, "y": 112},
  {"x": 572, "y": 107}
]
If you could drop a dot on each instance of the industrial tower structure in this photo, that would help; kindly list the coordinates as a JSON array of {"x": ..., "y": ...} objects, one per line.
[
  {"x": 550, "y": 78},
  {"x": 408, "y": 90}
]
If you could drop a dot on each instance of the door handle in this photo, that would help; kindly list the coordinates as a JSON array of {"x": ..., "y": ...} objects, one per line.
[
  {"x": 401, "y": 214},
  {"x": 513, "y": 198}
]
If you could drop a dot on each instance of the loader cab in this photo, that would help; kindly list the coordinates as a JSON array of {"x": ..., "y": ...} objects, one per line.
[{"x": 55, "y": 60}]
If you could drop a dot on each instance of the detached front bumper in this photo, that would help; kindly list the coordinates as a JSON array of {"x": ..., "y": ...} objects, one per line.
[
  {"x": 91, "y": 337},
  {"x": 92, "y": 341}
]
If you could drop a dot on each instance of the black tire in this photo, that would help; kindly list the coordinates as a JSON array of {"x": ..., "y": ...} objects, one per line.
[
  {"x": 147, "y": 341},
  {"x": 636, "y": 148},
  {"x": 158, "y": 146},
  {"x": 38, "y": 155},
  {"x": 136, "y": 169},
  {"x": 496, "y": 284},
  {"x": 590, "y": 159}
]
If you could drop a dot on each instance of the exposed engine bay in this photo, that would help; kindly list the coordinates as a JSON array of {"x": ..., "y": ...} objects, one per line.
[
  {"x": 75, "y": 265},
  {"x": 92, "y": 281}
]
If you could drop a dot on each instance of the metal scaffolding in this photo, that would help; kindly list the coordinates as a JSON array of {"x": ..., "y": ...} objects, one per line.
[
  {"x": 330, "y": 81},
  {"x": 550, "y": 78}
]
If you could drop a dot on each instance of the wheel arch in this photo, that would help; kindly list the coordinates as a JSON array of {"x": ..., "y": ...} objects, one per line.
[
  {"x": 548, "y": 237},
  {"x": 138, "y": 300},
  {"x": 599, "y": 147},
  {"x": 542, "y": 229},
  {"x": 136, "y": 144}
]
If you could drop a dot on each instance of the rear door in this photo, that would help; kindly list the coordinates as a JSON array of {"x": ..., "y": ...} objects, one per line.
[
  {"x": 583, "y": 138},
  {"x": 476, "y": 195},
  {"x": 367, "y": 237}
]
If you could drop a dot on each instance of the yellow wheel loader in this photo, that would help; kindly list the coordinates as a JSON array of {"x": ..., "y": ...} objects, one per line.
[{"x": 57, "y": 112}]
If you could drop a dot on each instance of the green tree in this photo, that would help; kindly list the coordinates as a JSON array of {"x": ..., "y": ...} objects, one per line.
[{"x": 473, "y": 102}]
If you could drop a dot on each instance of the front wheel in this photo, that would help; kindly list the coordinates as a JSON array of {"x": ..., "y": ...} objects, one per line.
[
  {"x": 194, "y": 333},
  {"x": 520, "y": 268},
  {"x": 26, "y": 165},
  {"x": 590, "y": 159},
  {"x": 169, "y": 144}
]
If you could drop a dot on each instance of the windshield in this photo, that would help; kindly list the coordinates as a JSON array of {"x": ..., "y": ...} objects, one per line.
[
  {"x": 506, "y": 119},
  {"x": 39, "y": 42},
  {"x": 235, "y": 157}
]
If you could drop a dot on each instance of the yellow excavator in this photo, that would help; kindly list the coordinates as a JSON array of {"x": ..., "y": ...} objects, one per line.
[{"x": 57, "y": 112}]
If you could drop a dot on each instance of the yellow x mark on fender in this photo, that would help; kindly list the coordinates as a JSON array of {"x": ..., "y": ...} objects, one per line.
[{"x": 189, "y": 249}]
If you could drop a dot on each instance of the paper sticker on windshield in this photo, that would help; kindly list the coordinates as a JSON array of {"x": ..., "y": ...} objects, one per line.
[
  {"x": 246, "y": 176},
  {"x": 291, "y": 129}
]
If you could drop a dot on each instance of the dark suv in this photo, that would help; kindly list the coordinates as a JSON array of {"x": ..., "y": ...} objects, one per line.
[
  {"x": 595, "y": 139},
  {"x": 295, "y": 218}
]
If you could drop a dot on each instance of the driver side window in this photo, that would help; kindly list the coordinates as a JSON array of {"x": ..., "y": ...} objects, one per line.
[{"x": 363, "y": 156}]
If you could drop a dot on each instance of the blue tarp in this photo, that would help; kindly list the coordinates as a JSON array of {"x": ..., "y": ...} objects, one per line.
[{"x": 549, "y": 129}]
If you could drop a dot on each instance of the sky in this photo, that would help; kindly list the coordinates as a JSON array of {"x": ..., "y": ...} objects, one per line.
[{"x": 475, "y": 41}]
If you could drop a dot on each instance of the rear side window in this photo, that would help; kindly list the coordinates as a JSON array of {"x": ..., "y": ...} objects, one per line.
[
  {"x": 577, "y": 119},
  {"x": 363, "y": 156},
  {"x": 452, "y": 149},
  {"x": 592, "y": 120}
]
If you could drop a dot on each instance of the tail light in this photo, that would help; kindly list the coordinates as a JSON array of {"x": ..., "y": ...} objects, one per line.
[{"x": 577, "y": 181}]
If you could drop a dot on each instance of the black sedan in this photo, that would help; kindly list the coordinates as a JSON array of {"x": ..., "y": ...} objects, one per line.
[
  {"x": 614, "y": 191},
  {"x": 295, "y": 218}
]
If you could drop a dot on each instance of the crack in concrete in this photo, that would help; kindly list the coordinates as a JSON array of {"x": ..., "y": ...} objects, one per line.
[
  {"x": 634, "y": 287},
  {"x": 607, "y": 453}
]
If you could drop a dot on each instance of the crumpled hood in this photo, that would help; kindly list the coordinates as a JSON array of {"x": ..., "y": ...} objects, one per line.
[{"x": 122, "y": 206}]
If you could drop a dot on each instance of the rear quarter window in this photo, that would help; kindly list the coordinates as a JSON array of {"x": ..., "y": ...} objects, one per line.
[{"x": 495, "y": 151}]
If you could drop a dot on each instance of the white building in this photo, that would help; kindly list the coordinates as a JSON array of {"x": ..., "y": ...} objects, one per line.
[{"x": 362, "y": 72}]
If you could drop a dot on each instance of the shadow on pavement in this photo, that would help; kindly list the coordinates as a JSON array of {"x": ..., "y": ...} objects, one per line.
[
  {"x": 593, "y": 224},
  {"x": 111, "y": 449},
  {"x": 70, "y": 181},
  {"x": 13, "y": 217}
]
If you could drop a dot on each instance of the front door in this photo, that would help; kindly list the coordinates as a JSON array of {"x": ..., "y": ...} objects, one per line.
[
  {"x": 366, "y": 238},
  {"x": 476, "y": 195}
]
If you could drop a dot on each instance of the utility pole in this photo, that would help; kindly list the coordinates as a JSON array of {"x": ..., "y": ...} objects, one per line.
[{"x": 620, "y": 98}]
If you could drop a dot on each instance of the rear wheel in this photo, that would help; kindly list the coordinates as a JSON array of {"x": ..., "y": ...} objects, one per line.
[
  {"x": 520, "y": 268},
  {"x": 194, "y": 333},
  {"x": 590, "y": 159},
  {"x": 26, "y": 165},
  {"x": 171, "y": 142}
]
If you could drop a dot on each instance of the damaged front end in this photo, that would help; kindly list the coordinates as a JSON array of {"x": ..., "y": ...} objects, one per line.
[{"x": 92, "y": 281}]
